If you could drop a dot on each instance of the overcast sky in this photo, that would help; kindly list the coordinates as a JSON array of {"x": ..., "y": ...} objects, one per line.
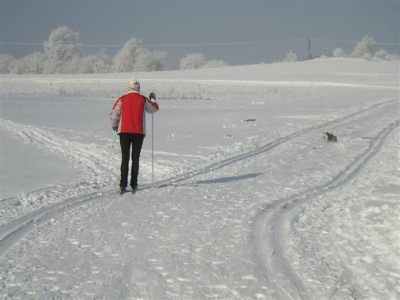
[{"x": 238, "y": 32}]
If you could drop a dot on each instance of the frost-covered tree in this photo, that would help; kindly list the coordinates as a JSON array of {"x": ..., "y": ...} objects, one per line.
[
  {"x": 62, "y": 55},
  {"x": 147, "y": 61},
  {"x": 215, "y": 64},
  {"x": 391, "y": 57},
  {"x": 290, "y": 56},
  {"x": 30, "y": 64},
  {"x": 338, "y": 52},
  {"x": 364, "y": 49},
  {"x": 380, "y": 55},
  {"x": 6, "y": 63},
  {"x": 192, "y": 61},
  {"x": 143, "y": 60},
  {"x": 133, "y": 57},
  {"x": 125, "y": 59},
  {"x": 74, "y": 65},
  {"x": 86, "y": 64},
  {"x": 98, "y": 63},
  {"x": 102, "y": 63},
  {"x": 199, "y": 61},
  {"x": 159, "y": 61},
  {"x": 62, "y": 48}
]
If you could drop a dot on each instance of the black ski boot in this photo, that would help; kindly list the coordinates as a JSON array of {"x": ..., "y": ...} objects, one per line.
[
  {"x": 122, "y": 190},
  {"x": 134, "y": 189}
]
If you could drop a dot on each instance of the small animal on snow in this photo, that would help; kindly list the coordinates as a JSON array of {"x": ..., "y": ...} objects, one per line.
[{"x": 329, "y": 137}]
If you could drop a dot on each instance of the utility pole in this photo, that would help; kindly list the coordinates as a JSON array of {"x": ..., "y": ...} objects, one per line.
[{"x": 309, "y": 49}]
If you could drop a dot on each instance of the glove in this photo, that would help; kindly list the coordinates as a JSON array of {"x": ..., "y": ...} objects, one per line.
[
  {"x": 115, "y": 128},
  {"x": 152, "y": 96}
]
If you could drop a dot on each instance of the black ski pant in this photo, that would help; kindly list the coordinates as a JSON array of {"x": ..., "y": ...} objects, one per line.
[{"x": 136, "y": 141}]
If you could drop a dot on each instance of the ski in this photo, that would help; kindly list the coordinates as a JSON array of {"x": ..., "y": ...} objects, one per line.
[{"x": 123, "y": 192}]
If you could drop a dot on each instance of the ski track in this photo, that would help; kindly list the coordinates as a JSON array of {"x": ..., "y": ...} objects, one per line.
[
  {"x": 275, "y": 83},
  {"x": 245, "y": 82},
  {"x": 89, "y": 158},
  {"x": 86, "y": 156},
  {"x": 267, "y": 147},
  {"x": 269, "y": 222},
  {"x": 93, "y": 161}
]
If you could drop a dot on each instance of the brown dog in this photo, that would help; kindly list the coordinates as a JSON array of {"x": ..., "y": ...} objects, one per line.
[{"x": 329, "y": 137}]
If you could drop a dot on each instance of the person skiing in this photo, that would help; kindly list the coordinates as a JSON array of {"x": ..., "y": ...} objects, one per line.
[{"x": 128, "y": 119}]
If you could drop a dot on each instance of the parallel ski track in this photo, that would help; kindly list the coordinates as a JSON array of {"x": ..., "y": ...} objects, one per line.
[
  {"x": 269, "y": 225},
  {"x": 265, "y": 148},
  {"x": 89, "y": 158},
  {"x": 92, "y": 161},
  {"x": 13, "y": 231}
]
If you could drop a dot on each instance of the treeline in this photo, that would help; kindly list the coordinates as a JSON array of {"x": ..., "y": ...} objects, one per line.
[
  {"x": 365, "y": 49},
  {"x": 62, "y": 55}
]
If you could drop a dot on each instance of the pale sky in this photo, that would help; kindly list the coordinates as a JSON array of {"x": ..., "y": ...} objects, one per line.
[{"x": 238, "y": 32}]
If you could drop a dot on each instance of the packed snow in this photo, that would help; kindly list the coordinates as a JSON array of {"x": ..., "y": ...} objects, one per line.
[{"x": 248, "y": 200}]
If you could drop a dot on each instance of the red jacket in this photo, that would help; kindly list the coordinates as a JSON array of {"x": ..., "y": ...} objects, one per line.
[{"x": 129, "y": 112}]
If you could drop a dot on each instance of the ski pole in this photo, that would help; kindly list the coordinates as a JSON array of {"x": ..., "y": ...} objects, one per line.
[
  {"x": 100, "y": 192},
  {"x": 152, "y": 148}
]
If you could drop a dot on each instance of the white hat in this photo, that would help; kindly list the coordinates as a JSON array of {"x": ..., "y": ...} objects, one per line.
[{"x": 133, "y": 85}]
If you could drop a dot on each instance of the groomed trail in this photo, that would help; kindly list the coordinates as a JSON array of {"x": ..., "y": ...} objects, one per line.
[
  {"x": 177, "y": 257},
  {"x": 93, "y": 161},
  {"x": 274, "y": 220}
]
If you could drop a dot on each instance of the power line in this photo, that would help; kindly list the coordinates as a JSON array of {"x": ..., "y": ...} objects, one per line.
[
  {"x": 353, "y": 42},
  {"x": 224, "y": 43},
  {"x": 210, "y": 1},
  {"x": 203, "y": 44},
  {"x": 41, "y": 44},
  {"x": 163, "y": 45},
  {"x": 204, "y": 1}
]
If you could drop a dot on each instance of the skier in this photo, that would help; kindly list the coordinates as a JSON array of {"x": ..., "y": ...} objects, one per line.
[{"x": 128, "y": 118}]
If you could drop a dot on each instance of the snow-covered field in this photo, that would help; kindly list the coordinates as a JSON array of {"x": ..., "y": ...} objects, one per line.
[{"x": 248, "y": 200}]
